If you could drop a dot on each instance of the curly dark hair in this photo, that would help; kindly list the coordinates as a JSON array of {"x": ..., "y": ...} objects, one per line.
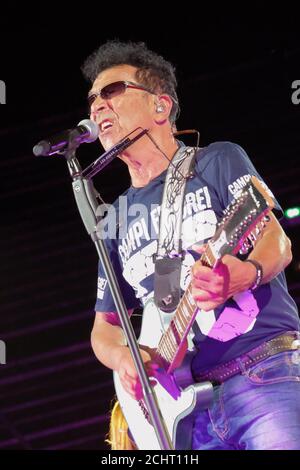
[{"x": 153, "y": 70}]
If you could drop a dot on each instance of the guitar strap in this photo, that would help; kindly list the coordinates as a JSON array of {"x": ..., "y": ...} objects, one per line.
[{"x": 169, "y": 253}]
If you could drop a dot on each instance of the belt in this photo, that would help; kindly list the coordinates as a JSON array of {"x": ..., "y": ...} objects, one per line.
[{"x": 288, "y": 341}]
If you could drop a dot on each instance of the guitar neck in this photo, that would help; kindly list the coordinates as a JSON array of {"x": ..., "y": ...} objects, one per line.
[{"x": 173, "y": 340}]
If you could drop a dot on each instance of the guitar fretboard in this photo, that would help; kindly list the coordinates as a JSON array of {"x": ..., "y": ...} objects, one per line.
[{"x": 179, "y": 327}]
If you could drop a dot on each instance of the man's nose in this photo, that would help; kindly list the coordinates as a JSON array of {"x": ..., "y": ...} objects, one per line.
[{"x": 98, "y": 105}]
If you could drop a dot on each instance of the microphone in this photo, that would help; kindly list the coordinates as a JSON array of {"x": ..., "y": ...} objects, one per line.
[{"x": 86, "y": 131}]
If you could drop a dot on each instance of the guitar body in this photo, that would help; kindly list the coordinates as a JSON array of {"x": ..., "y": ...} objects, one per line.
[{"x": 178, "y": 407}]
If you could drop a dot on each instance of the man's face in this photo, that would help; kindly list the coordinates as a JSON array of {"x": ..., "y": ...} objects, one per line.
[{"x": 124, "y": 112}]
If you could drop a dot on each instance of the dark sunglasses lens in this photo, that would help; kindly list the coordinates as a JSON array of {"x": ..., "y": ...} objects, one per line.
[
  {"x": 91, "y": 99},
  {"x": 114, "y": 89},
  {"x": 108, "y": 92}
]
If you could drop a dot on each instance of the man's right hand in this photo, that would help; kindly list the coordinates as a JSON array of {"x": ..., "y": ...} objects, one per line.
[
  {"x": 128, "y": 374},
  {"x": 108, "y": 342}
]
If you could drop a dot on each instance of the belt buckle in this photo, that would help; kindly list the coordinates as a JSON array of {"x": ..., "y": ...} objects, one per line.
[{"x": 295, "y": 344}]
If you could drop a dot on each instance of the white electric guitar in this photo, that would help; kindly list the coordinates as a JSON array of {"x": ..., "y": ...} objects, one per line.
[{"x": 167, "y": 333}]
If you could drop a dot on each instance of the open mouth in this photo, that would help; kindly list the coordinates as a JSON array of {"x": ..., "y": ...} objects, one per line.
[{"x": 105, "y": 125}]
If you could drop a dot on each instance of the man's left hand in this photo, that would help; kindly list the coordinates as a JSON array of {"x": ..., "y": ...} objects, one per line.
[{"x": 212, "y": 287}]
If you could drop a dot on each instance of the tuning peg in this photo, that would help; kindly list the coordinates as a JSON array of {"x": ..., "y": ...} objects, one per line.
[
  {"x": 243, "y": 250},
  {"x": 245, "y": 247}
]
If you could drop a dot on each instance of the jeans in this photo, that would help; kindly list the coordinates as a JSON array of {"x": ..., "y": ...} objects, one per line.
[{"x": 258, "y": 409}]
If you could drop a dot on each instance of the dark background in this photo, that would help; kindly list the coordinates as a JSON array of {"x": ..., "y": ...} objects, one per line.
[{"x": 235, "y": 70}]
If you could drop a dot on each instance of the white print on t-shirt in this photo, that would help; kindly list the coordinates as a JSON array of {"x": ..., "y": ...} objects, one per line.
[
  {"x": 199, "y": 223},
  {"x": 242, "y": 181},
  {"x": 232, "y": 321},
  {"x": 141, "y": 265},
  {"x": 101, "y": 287}
]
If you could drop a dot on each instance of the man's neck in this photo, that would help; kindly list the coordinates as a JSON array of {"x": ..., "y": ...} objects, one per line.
[{"x": 146, "y": 164}]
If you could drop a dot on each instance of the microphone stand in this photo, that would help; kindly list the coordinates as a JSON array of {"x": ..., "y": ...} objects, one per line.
[{"x": 86, "y": 199}]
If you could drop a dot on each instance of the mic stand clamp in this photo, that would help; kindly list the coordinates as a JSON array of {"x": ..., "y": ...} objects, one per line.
[{"x": 86, "y": 199}]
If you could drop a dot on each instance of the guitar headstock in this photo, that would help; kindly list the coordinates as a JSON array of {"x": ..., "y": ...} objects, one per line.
[{"x": 243, "y": 221}]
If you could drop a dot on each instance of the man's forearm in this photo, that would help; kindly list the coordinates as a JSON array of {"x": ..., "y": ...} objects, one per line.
[
  {"x": 108, "y": 342},
  {"x": 273, "y": 252}
]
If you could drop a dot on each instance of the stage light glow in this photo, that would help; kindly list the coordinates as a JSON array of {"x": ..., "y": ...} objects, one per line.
[{"x": 292, "y": 212}]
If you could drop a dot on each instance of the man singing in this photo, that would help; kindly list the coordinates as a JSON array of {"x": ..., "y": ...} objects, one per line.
[{"x": 247, "y": 333}]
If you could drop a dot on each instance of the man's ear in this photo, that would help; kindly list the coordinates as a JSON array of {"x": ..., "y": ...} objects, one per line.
[{"x": 163, "y": 107}]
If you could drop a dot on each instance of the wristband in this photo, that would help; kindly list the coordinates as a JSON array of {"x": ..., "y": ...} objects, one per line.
[{"x": 259, "y": 273}]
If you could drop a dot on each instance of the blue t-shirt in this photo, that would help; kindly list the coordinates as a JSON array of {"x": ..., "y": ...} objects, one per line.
[{"x": 243, "y": 321}]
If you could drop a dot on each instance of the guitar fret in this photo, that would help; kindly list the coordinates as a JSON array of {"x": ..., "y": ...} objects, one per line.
[
  {"x": 163, "y": 352},
  {"x": 190, "y": 299},
  {"x": 190, "y": 303},
  {"x": 179, "y": 314},
  {"x": 186, "y": 312},
  {"x": 180, "y": 322},
  {"x": 173, "y": 331},
  {"x": 170, "y": 343},
  {"x": 178, "y": 325},
  {"x": 181, "y": 317},
  {"x": 162, "y": 345},
  {"x": 166, "y": 343},
  {"x": 206, "y": 261},
  {"x": 210, "y": 257},
  {"x": 169, "y": 351}
]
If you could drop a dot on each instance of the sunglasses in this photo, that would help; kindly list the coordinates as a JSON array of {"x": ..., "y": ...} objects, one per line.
[{"x": 115, "y": 89}]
